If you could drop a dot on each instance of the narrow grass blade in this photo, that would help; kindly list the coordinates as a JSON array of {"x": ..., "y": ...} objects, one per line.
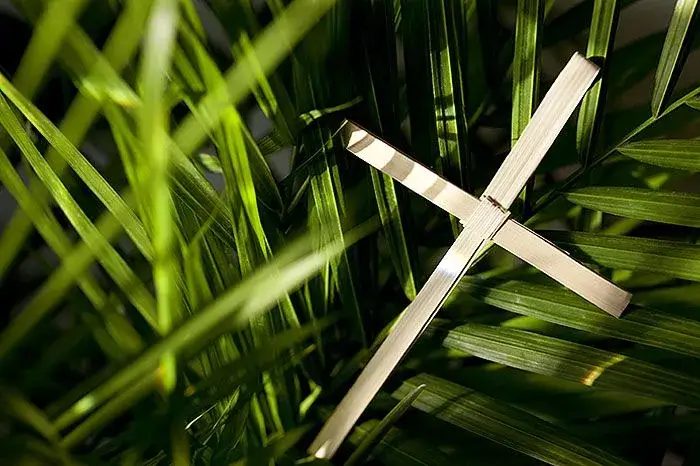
[
  {"x": 275, "y": 101},
  {"x": 247, "y": 171},
  {"x": 23, "y": 410},
  {"x": 419, "y": 85},
  {"x": 126, "y": 279},
  {"x": 473, "y": 58},
  {"x": 75, "y": 263},
  {"x": 642, "y": 204},
  {"x": 50, "y": 31},
  {"x": 446, "y": 71},
  {"x": 118, "y": 50},
  {"x": 325, "y": 202},
  {"x": 671, "y": 258},
  {"x": 309, "y": 117},
  {"x": 503, "y": 423},
  {"x": 675, "y": 50},
  {"x": 528, "y": 25},
  {"x": 269, "y": 49},
  {"x": 116, "y": 406},
  {"x": 154, "y": 124},
  {"x": 601, "y": 37},
  {"x": 90, "y": 176},
  {"x": 380, "y": 430},
  {"x": 390, "y": 215},
  {"x": 18, "y": 406},
  {"x": 573, "y": 361},
  {"x": 398, "y": 448},
  {"x": 380, "y": 91},
  {"x": 683, "y": 154},
  {"x": 228, "y": 313},
  {"x": 560, "y": 306}
]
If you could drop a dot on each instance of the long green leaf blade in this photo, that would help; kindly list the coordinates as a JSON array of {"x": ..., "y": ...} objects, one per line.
[
  {"x": 51, "y": 29},
  {"x": 390, "y": 215},
  {"x": 683, "y": 154},
  {"x": 326, "y": 206},
  {"x": 504, "y": 424},
  {"x": 118, "y": 50},
  {"x": 560, "y": 306},
  {"x": 380, "y": 430},
  {"x": 600, "y": 41},
  {"x": 528, "y": 28},
  {"x": 575, "y": 362},
  {"x": 108, "y": 256},
  {"x": 671, "y": 258},
  {"x": 398, "y": 448},
  {"x": 445, "y": 67},
  {"x": 269, "y": 49},
  {"x": 381, "y": 92},
  {"x": 47, "y": 297},
  {"x": 155, "y": 65},
  {"x": 673, "y": 54},
  {"x": 642, "y": 204},
  {"x": 231, "y": 311},
  {"x": 89, "y": 174}
]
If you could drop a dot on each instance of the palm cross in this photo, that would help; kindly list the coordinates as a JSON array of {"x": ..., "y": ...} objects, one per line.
[{"x": 485, "y": 219}]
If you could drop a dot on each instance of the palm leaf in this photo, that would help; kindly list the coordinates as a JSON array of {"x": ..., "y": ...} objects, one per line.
[
  {"x": 628, "y": 253},
  {"x": 502, "y": 423},
  {"x": 83, "y": 168},
  {"x": 380, "y": 430},
  {"x": 528, "y": 31},
  {"x": 398, "y": 448},
  {"x": 683, "y": 154},
  {"x": 234, "y": 308},
  {"x": 601, "y": 37},
  {"x": 673, "y": 54},
  {"x": 560, "y": 306},
  {"x": 572, "y": 361},
  {"x": 118, "y": 50},
  {"x": 109, "y": 258},
  {"x": 643, "y": 204},
  {"x": 154, "y": 173}
]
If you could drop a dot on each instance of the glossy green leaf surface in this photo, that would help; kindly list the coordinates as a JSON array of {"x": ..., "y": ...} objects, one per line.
[
  {"x": 560, "y": 306},
  {"x": 673, "y": 53},
  {"x": 601, "y": 37},
  {"x": 665, "y": 257},
  {"x": 501, "y": 423},
  {"x": 675, "y": 208},
  {"x": 194, "y": 268},
  {"x": 572, "y": 361},
  {"x": 683, "y": 154}
]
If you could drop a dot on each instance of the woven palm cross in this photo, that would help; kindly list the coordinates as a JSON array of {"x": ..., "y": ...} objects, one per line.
[{"x": 485, "y": 219}]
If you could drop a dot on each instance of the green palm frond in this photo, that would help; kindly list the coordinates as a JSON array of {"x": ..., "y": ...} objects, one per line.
[{"x": 194, "y": 268}]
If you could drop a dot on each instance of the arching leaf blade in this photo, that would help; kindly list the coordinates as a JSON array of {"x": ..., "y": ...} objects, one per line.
[{"x": 643, "y": 204}]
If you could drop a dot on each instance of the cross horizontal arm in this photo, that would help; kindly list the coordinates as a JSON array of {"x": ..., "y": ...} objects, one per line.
[{"x": 513, "y": 237}]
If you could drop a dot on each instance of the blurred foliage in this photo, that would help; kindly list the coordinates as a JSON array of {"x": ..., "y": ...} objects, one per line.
[{"x": 193, "y": 270}]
